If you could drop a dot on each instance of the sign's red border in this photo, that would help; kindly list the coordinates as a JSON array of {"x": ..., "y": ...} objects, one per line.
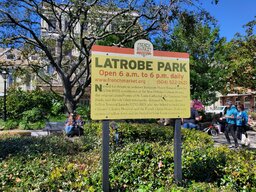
[{"x": 130, "y": 51}]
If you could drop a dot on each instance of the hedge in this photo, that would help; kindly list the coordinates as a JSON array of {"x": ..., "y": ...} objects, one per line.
[{"x": 143, "y": 161}]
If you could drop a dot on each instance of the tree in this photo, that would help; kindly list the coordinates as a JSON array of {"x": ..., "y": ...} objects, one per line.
[
  {"x": 62, "y": 33},
  {"x": 198, "y": 36},
  {"x": 241, "y": 61}
]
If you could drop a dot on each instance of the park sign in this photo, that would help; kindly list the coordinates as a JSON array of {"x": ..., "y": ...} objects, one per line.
[{"x": 139, "y": 83}]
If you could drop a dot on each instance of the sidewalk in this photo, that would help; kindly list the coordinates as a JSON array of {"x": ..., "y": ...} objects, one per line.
[{"x": 221, "y": 139}]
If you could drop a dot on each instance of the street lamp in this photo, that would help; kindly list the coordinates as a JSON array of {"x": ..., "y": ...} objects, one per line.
[{"x": 4, "y": 75}]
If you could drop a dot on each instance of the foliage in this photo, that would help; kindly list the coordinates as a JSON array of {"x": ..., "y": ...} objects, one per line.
[
  {"x": 240, "y": 172},
  {"x": 240, "y": 69},
  {"x": 197, "y": 36},
  {"x": 32, "y": 115},
  {"x": 142, "y": 163},
  {"x": 40, "y": 164},
  {"x": 84, "y": 111},
  {"x": 253, "y": 115},
  {"x": 145, "y": 132},
  {"x": 138, "y": 164},
  {"x": 17, "y": 101},
  {"x": 203, "y": 166},
  {"x": 29, "y": 110},
  {"x": 52, "y": 162},
  {"x": 10, "y": 124},
  {"x": 61, "y": 117},
  {"x": 25, "y": 125},
  {"x": 31, "y": 106},
  {"x": 57, "y": 108}
]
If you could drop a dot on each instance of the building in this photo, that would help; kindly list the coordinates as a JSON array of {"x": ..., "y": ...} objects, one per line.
[
  {"x": 248, "y": 99},
  {"x": 10, "y": 59}
]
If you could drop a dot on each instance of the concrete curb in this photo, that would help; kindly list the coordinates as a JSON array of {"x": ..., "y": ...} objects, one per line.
[
  {"x": 34, "y": 133},
  {"x": 16, "y": 132}
]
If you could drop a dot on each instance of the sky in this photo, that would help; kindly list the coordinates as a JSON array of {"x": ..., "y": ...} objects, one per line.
[{"x": 231, "y": 15}]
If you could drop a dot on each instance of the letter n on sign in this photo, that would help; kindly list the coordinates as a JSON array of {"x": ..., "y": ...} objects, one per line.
[{"x": 98, "y": 88}]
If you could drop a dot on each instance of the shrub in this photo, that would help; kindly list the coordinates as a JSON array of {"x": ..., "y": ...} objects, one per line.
[
  {"x": 145, "y": 132},
  {"x": 17, "y": 101},
  {"x": 47, "y": 163},
  {"x": 33, "y": 115},
  {"x": 24, "y": 125},
  {"x": 84, "y": 111},
  {"x": 148, "y": 163},
  {"x": 35, "y": 102},
  {"x": 144, "y": 162},
  {"x": 57, "y": 108},
  {"x": 253, "y": 114},
  {"x": 10, "y": 124},
  {"x": 203, "y": 165},
  {"x": 141, "y": 164},
  {"x": 240, "y": 171},
  {"x": 30, "y": 109}
]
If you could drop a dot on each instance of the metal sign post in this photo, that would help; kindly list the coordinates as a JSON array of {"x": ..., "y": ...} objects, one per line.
[
  {"x": 105, "y": 156},
  {"x": 177, "y": 152}
]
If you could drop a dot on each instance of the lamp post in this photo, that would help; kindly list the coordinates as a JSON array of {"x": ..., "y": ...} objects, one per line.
[{"x": 4, "y": 75}]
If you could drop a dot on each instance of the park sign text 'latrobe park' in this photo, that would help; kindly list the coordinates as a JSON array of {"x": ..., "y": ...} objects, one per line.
[{"x": 139, "y": 83}]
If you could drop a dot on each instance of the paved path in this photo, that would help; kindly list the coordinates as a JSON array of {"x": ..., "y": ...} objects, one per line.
[{"x": 221, "y": 139}]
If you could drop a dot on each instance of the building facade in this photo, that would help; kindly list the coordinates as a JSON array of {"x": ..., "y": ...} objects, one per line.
[
  {"x": 10, "y": 59},
  {"x": 247, "y": 99}
]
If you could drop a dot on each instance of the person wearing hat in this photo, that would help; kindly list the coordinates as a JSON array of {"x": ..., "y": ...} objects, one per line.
[{"x": 231, "y": 123}]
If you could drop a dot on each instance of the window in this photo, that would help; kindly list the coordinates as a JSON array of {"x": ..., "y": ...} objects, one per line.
[
  {"x": 10, "y": 56},
  {"x": 113, "y": 27},
  {"x": 33, "y": 57},
  {"x": 50, "y": 69},
  {"x": 52, "y": 27},
  {"x": 10, "y": 78},
  {"x": 247, "y": 103},
  {"x": 85, "y": 101},
  {"x": 220, "y": 108}
]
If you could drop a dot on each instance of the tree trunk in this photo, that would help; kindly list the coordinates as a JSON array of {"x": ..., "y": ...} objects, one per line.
[{"x": 70, "y": 104}]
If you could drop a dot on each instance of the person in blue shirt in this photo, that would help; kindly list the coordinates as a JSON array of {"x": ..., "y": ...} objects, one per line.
[
  {"x": 241, "y": 123},
  {"x": 231, "y": 123}
]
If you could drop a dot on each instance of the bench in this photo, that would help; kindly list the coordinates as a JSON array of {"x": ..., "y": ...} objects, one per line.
[{"x": 54, "y": 127}]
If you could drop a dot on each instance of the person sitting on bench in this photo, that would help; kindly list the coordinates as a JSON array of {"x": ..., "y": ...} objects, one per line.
[
  {"x": 73, "y": 126},
  {"x": 191, "y": 121}
]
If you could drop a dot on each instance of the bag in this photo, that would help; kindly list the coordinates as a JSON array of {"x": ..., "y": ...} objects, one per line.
[
  {"x": 219, "y": 128},
  {"x": 243, "y": 139}
]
